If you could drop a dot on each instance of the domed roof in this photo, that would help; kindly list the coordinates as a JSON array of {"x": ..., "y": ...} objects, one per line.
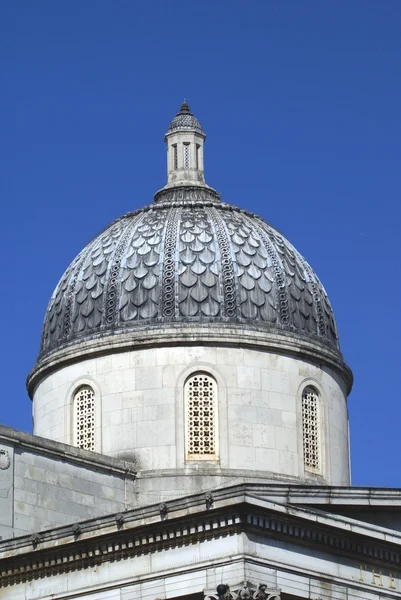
[
  {"x": 184, "y": 119},
  {"x": 188, "y": 269},
  {"x": 188, "y": 258}
]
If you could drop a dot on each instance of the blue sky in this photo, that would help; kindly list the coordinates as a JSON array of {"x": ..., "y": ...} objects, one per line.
[{"x": 301, "y": 103}]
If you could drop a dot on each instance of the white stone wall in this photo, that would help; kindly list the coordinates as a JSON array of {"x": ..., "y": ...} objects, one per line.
[
  {"x": 49, "y": 492},
  {"x": 195, "y": 173},
  {"x": 44, "y": 485},
  {"x": 140, "y": 409}
]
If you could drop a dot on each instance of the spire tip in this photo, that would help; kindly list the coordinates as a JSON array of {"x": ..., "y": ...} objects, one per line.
[{"x": 185, "y": 110}]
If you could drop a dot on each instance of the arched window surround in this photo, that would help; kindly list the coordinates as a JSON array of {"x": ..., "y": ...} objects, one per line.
[
  {"x": 84, "y": 418},
  {"x": 222, "y": 426},
  {"x": 306, "y": 467},
  {"x": 70, "y": 411},
  {"x": 201, "y": 417}
]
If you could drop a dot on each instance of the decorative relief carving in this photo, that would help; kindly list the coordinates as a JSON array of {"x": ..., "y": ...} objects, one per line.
[
  {"x": 85, "y": 294},
  {"x": 187, "y": 194},
  {"x": 198, "y": 290},
  {"x": 255, "y": 276},
  {"x": 243, "y": 591},
  {"x": 321, "y": 328},
  {"x": 209, "y": 499},
  {"x": 169, "y": 267},
  {"x": 5, "y": 460},
  {"x": 113, "y": 278},
  {"x": 279, "y": 277},
  {"x": 227, "y": 267},
  {"x": 120, "y": 520},
  {"x": 140, "y": 274},
  {"x": 35, "y": 539},
  {"x": 53, "y": 326},
  {"x": 69, "y": 296},
  {"x": 188, "y": 258},
  {"x": 300, "y": 300},
  {"x": 308, "y": 298}
]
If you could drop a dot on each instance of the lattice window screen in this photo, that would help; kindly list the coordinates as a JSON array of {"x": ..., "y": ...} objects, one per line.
[
  {"x": 311, "y": 429},
  {"x": 201, "y": 418},
  {"x": 84, "y": 418},
  {"x": 186, "y": 156},
  {"x": 175, "y": 157}
]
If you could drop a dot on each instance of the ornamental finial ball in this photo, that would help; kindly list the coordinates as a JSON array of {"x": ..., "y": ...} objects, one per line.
[{"x": 185, "y": 110}]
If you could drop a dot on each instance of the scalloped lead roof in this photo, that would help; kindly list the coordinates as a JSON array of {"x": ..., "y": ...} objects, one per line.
[
  {"x": 184, "y": 119},
  {"x": 188, "y": 258}
]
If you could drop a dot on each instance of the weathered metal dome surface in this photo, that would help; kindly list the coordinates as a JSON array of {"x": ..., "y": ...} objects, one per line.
[
  {"x": 184, "y": 119},
  {"x": 188, "y": 259}
]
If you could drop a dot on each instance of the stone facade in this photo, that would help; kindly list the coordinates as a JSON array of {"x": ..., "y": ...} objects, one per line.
[
  {"x": 240, "y": 538},
  {"x": 47, "y": 484},
  {"x": 140, "y": 409}
]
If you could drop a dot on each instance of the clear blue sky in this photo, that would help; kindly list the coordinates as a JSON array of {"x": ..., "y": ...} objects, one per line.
[{"x": 301, "y": 101}]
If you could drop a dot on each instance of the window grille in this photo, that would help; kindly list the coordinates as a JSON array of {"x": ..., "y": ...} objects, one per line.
[
  {"x": 186, "y": 156},
  {"x": 311, "y": 429},
  {"x": 201, "y": 418},
  {"x": 197, "y": 156},
  {"x": 175, "y": 157},
  {"x": 84, "y": 418}
]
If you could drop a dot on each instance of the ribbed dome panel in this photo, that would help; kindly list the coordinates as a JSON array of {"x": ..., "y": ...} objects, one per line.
[{"x": 188, "y": 261}]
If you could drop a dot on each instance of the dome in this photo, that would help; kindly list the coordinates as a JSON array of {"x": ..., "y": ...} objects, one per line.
[
  {"x": 188, "y": 258},
  {"x": 188, "y": 268},
  {"x": 192, "y": 340},
  {"x": 184, "y": 119}
]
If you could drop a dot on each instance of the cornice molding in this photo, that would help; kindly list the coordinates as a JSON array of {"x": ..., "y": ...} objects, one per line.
[
  {"x": 188, "y": 521},
  {"x": 84, "y": 458},
  {"x": 242, "y": 335}
]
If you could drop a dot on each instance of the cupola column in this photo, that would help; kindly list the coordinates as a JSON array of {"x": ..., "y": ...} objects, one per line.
[{"x": 185, "y": 139}]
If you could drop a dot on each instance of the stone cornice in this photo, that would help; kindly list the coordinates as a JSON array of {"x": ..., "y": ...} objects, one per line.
[
  {"x": 83, "y": 458},
  {"x": 295, "y": 490},
  {"x": 340, "y": 496},
  {"x": 312, "y": 494},
  {"x": 187, "y": 521},
  {"x": 241, "y": 335}
]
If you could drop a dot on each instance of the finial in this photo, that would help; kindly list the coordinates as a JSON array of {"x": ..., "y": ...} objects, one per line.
[
  {"x": 185, "y": 110},
  {"x": 185, "y": 139}
]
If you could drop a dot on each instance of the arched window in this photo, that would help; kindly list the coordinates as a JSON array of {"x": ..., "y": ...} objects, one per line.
[
  {"x": 201, "y": 433},
  {"x": 84, "y": 418},
  {"x": 186, "y": 156},
  {"x": 175, "y": 157},
  {"x": 311, "y": 429}
]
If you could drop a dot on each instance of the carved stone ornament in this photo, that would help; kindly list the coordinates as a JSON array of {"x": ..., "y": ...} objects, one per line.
[
  {"x": 120, "y": 520},
  {"x": 4, "y": 459},
  {"x": 189, "y": 262},
  {"x": 243, "y": 591},
  {"x": 35, "y": 539}
]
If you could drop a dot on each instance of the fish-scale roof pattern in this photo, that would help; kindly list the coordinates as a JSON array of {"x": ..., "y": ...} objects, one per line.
[
  {"x": 194, "y": 260},
  {"x": 184, "y": 119}
]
